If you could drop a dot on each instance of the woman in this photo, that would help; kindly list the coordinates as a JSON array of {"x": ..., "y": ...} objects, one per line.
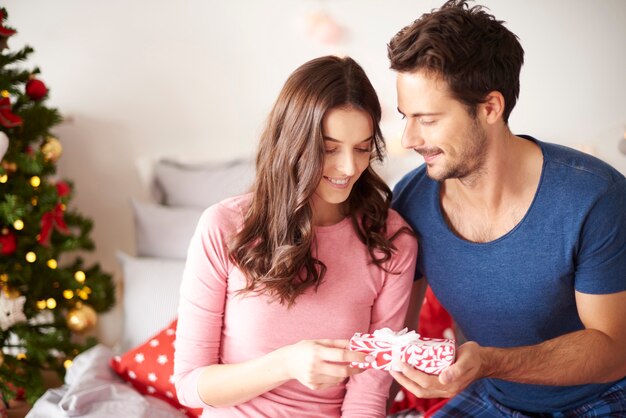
[{"x": 276, "y": 280}]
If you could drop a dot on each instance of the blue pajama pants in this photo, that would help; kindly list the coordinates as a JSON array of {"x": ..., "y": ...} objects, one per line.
[{"x": 474, "y": 402}]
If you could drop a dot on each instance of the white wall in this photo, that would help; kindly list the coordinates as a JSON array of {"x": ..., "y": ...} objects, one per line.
[{"x": 197, "y": 77}]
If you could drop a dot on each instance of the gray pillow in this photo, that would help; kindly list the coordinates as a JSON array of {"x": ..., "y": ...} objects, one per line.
[
  {"x": 149, "y": 295},
  {"x": 163, "y": 231},
  {"x": 202, "y": 185}
]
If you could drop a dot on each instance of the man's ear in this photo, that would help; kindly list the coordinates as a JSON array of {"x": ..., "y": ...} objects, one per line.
[{"x": 492, "y": 109}]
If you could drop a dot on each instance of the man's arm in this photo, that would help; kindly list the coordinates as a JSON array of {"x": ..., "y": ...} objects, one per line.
[{"x": 596, "y": 354}]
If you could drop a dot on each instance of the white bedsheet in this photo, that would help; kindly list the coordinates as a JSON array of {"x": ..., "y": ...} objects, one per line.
[{"x": 93, "y": 390}]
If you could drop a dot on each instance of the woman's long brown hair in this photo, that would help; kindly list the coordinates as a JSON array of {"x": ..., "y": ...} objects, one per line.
[{"x": 274, "y": 247}]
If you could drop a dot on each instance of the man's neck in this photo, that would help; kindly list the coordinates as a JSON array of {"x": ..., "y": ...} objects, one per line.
[
  {"x": 494, "y": 200},
  {"x": 509, "y": 168}
]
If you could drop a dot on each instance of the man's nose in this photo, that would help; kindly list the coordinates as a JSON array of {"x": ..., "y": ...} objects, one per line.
[{"x": 411, "y": 136}]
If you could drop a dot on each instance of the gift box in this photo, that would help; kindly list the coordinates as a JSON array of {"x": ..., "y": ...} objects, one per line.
[{"x": 388, "y": 348}]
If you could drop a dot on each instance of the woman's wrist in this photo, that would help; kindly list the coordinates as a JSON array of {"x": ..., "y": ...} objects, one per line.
[{"x": 279, "y": 361}]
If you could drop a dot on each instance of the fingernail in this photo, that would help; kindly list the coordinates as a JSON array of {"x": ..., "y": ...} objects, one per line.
[{"x": 370, "y": 358}]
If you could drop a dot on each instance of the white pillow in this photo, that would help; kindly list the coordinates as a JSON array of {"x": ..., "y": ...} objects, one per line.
[
  {"x": 150, "y": 296},
  {"x": 163, "y": 231},
  {"x": 202, "y": 185}
]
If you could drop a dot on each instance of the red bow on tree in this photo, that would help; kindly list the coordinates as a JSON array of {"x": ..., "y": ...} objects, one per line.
[
  {"x": 5, "y": 32},
  {"x": 7, "y": 118},
  {"x": 50, "y": 220}
]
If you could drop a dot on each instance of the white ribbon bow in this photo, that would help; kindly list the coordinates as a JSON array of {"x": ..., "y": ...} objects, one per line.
[{"x": 398, "y": 341}]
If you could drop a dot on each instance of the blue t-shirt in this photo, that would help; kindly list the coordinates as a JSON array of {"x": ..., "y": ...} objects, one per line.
[{"x": 519, "y": 289}]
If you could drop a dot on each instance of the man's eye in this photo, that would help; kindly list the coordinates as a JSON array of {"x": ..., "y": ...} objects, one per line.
[{"x": 427, "y": 122}]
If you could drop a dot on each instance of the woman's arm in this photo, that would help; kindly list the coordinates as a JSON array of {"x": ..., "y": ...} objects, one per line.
[{"x": 309, "y": 362}]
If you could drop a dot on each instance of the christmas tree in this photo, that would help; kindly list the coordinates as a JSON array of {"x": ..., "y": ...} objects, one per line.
[{"x": 48, "y": 298}]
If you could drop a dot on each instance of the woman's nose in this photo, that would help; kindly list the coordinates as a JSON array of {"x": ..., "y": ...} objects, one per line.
[{"x": 346, "y": 164}]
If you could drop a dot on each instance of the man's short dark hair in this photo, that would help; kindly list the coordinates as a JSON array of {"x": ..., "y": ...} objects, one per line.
[{"x": 471, "y": 50}]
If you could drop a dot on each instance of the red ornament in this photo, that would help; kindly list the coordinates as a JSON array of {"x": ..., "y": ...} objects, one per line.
[
  {"x": 63, "y": 189},
  {"x": 7, "y": 118},
  {"x": 8, "y": 243},
  {"x": 36, "y": 89}
]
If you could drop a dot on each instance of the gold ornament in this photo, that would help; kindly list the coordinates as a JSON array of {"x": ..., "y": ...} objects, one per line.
[
  {"x": 82, "y": 318},
  {"x": 52, "y": 149},
  {"x": 9, "y": 166}
]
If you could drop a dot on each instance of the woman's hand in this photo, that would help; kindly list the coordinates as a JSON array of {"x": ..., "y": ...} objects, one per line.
[{"x": 320, "y": 364}]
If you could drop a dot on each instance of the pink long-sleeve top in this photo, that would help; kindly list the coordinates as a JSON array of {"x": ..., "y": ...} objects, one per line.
[{"x": 218, "y": 326}]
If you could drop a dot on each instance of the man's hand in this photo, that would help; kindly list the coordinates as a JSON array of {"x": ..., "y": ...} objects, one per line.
[{"x": 467, "y": 368}]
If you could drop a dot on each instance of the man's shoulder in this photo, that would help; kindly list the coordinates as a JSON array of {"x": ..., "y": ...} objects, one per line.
[
  {"x": 584, "y": 168},
  {"x": 416, "y": 180}
]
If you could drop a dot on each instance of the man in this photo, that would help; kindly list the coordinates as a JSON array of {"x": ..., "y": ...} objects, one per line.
[{"x": 522, "y": 241}]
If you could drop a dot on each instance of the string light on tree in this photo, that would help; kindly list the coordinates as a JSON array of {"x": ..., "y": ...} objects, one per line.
[
  {"x": 80, "y": 276},
  {"x": 35, "y": 181},
  {"x": 52, "y": 263},
  {"x": 18, "y": 225},
  {"x": 31, "y": 257}
]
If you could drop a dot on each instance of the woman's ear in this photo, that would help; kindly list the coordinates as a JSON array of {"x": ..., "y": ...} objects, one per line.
[{"x": 492, "y": 108}]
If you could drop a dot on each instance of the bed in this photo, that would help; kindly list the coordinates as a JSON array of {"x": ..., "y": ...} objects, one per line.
[{"x": 105, "y": 381}]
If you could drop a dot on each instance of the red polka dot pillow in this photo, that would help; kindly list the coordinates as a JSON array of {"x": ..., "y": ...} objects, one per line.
[{"x": 149, "y": 368}]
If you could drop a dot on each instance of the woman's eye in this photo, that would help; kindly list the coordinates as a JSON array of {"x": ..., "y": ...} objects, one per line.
[
  {"x": 330, "y": 150},
  {"x": 364, "y": 150}
]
